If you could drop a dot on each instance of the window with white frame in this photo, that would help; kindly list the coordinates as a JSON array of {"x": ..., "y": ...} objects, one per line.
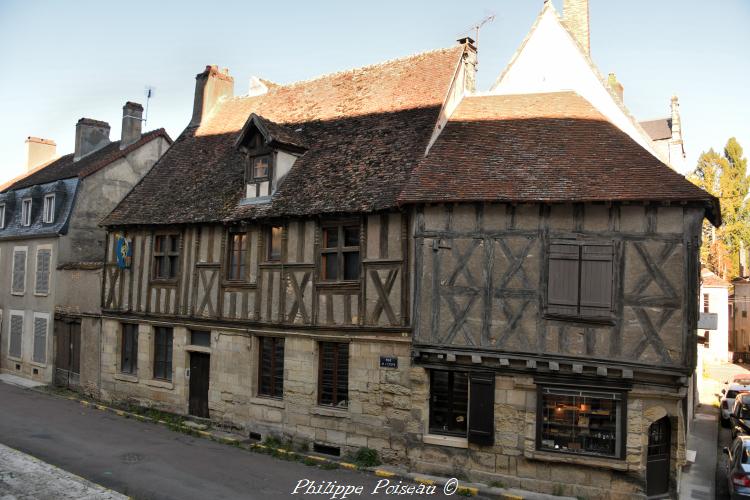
[
  {"x": 26, "y": 212},
  {"x": 41, "y": 325},
  {"x": 18, "y": 277},
  {"x": 43, "y": 258},
  {"x": 2, "y": 216},
  {"x": 15, "y": 330},
  {"x": 49, "y": 209}
]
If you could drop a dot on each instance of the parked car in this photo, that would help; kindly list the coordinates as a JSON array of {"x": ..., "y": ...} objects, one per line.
[
  {"x": 738, "y": 468},
  {"x": 740, "y": 415},
  {"x": 727, "y": 397}
]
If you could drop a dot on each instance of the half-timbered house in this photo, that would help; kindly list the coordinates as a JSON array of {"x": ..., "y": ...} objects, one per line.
[{"x": 499, "y": 285}]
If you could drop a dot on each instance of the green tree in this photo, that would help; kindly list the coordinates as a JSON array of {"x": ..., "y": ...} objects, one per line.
[{"x": 725, "y": 176}]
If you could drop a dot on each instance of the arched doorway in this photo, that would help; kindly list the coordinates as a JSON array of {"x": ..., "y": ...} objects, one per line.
[{"x": 657, "y": 463}]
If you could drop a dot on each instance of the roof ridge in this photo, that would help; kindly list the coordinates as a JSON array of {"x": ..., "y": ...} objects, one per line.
[{"x": 296, "y": 83}]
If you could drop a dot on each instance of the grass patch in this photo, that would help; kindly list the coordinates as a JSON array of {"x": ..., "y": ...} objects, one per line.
[
  {"x": 365, "y": 457},
  {"x": 497, "y": 484}
]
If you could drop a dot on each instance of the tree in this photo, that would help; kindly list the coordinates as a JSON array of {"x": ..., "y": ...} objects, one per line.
[{"x": 725, "y": 176}]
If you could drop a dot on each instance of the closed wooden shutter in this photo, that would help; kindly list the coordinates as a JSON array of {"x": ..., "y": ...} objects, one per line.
[
  {"x": 16, "y": 334},
  {"x": 40, "y": 340},
  {"x": 596, "y": 280},
  {"x": 42, "y": 270},
  {"x": 562, "y": 291},
  {"x": 482, "y": 408},
  {"x": 19, "y": 271}
]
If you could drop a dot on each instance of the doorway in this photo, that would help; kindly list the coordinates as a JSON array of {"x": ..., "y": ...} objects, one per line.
[
  {"x": 200, "y": 364},
  {"x": 657, "y": 463},
  {"x": 67, "y": 352}
]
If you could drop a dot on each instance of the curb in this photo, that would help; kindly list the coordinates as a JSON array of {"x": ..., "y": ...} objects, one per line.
[{"x": 471, "y": 489}]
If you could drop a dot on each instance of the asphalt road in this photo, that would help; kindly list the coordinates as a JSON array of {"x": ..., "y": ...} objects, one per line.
[{"x": 148, "y": 461}]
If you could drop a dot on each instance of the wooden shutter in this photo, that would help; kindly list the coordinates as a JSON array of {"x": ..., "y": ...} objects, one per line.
[
  {"x": 482, "y": 408},
  {"x": 19, "y": 271},
  {"x": 40, "y": 340},
  {"x": 596, "y": 280},
  {"x": 16, "y": 334},
  {"x": 562, "y": 288},
  {"x": 42, "y": 270}
]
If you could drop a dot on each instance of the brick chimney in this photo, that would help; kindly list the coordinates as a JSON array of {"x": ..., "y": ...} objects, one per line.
[
  {"x": 616, "y": 86},
  {"x": 91, "y": 135},
  {"x": 210, "y": 86},
  {"x": 132, "y": 122},
  {"x": 39, "y": 151},
  {"x": 576, "y": 18}
]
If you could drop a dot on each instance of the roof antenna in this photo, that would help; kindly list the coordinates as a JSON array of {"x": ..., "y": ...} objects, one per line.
[
  {"x": 149, "y": 92},
  {"x": 478, "y": 26}
]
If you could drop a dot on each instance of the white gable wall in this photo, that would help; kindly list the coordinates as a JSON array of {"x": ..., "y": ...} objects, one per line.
[{"x": 551, "y": 61}]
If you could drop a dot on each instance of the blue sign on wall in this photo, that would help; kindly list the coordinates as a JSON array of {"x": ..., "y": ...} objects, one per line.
[
  {"x": 388, "y": 362},
  {"x": 124, "y": 252}
]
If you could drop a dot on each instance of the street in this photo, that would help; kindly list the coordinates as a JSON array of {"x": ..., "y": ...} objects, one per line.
[{"x": 148, "y": 461}]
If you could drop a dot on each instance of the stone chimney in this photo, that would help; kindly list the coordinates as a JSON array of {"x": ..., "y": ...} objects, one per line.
[
  {"x": 676, "y": 125},
  {"x": 470, "y": 64},
  {"x": 91, "y": 135},
  {"x": 576, "y": 18},
  {"x": 616, "y": 86},
  {"x": 39, "y": 151},
  {"x": 210, "y": 86},
  {"x": 132, "y": 122},
  {"x": 256, "y": 87}
]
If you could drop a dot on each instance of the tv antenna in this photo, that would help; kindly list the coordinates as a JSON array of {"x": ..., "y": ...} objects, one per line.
[
  {"x": 149, "y": 92},
  {"x": 476, "y": 28}
]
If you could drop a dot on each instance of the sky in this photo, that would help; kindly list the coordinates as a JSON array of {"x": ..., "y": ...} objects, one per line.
[{"x": 63, "y": 61}]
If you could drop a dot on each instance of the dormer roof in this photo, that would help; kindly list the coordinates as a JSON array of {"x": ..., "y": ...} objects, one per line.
[{"x": 275, "y": 135}]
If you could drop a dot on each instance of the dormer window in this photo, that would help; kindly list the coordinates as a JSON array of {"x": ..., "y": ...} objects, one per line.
[
  {"x": 259, "y": 175},
  {"x": 49, "y": 209},
  {"x": 2, "y": 216},
  {"x": 26, "y": 212}
]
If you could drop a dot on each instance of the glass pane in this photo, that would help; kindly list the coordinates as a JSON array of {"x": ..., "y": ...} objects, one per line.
[
  {"x": 200, "y": 338},
  {"x": 351, "y": 236},
  {"x": 174, "y": 242},
  {"x": 159, "y": 244},
  {"x": 351, "y": 265},
  {"x": 448, "y": 402},
  {"x": 274, "y": 243},
  {"x": 330, "y": 237},
  {"x": 330, "y": 267},
  {"x": 173, "y": 266},
  {"x": 580, "y": 424},
  {"x": 260, "y": 166}
]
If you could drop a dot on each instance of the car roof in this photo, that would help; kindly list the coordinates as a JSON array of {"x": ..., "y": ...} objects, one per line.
[{"x": 739, "y": 387}]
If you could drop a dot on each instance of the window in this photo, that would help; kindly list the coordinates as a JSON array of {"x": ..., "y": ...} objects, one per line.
[
  {"x": 43, "y": 257},
  {"x": 2, "y": 216},
  {"x": 340, "y": 253},
  {"x": 449, "y": 401},
  {"x": 166, "y": 256},
  {"x": 18, "y": 280},
  {"x": 705, "y": 302},
  {"x": 462, "y": 404},
  {"x": 163, "y": 353},
  {"x": 744, "y": 314},
  {"x": 273, "y": 243},
  {"x": 26, "y": 212},
  {"x": 129, "y": 349},
  {"x": 580, "y": 280},
  {"x": 582, "y": 422},
  {"x": 258, "y": 176},
  {"x": 16, "y": 334},
  {"x": 333, "y": 374},
  {"x": 41, "y": 322},
  {"x": 49, "y": 209},
  {"x": 271, "y": 367},
  {"x": 237, "y": 256},
  {"x": 200, "y": 338}
]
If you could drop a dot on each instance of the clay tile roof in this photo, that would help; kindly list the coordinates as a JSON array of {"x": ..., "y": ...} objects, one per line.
[
  {"x": 658, "y": 129},
  {"x": 710, "y": 280},
  {"x": 364, "y": 130},
  {"x": 553, "y": 147},
  {"x": 65, "y": 168}
]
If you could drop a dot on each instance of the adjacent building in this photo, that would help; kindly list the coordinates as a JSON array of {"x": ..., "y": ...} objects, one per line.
[
  {"x": 52, "y": 248},
  {"x": 499, "y": 285},
  {"x": 741, "y": 323},
  {"x": 715, "y": 340}
]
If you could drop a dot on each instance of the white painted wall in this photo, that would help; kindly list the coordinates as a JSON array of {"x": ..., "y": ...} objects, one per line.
[
  {"x": 551, "y": 61},
  {"x": 718, "y": 302}
]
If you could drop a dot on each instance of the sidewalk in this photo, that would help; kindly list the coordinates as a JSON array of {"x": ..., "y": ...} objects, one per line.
[
  {"x": 23, "y": 476},
  {"x": 698, "y": 480}
]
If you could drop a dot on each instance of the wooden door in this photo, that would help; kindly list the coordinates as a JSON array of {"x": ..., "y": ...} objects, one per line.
[
  {"x": 657, "y": 463},
  {"x": 200, "y": 364},
  {"x": 67, "y": 352}
]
